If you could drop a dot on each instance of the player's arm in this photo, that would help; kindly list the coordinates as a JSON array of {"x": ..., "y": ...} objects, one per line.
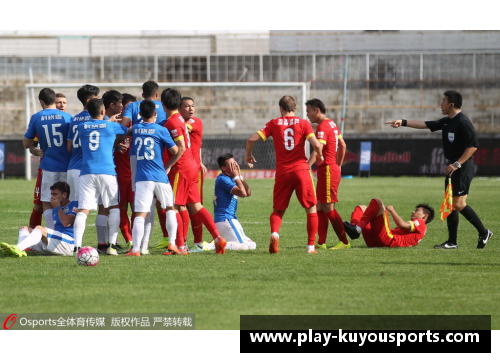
[
  {"x": 66, "y": 220},
  {"x": 177, "y": 152},
  {"x": 400, "y": 223},
  {"x": 318, "y": 148},
  {"x": 241, "y": 189},
  {"x": 249, "y": 159},
  {"x": 27, "y": 143},
  {"x": 411, "y": 124},
  {"x": 203, "y": 168},
  {"x": 341, "y": 151},
  {"x": 465, "y": 156},
  {"x": 34, "y": 150}
]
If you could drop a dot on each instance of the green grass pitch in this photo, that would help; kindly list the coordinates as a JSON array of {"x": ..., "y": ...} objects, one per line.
[{"x": 359, "y": 281}]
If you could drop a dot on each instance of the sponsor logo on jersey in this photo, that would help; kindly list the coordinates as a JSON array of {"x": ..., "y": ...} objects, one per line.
[
  {"x": 321, "y": 134},
  {"x": 174, "y": 132},
  {"x": 75, "y": 209},
  {"x": 416, "y": 223}
]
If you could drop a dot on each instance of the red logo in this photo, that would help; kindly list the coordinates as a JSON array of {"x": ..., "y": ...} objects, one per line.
[{"x": 12, "y": 319}]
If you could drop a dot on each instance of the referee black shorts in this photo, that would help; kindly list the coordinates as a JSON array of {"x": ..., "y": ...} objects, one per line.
[{"x": 461, "y": 178}]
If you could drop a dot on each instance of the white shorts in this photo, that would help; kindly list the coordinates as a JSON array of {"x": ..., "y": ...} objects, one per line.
[
  {"x": 232, "y": 231},
  {"x": 147, "y": 190},
  {"x": 48, "y": 179},
  {"x": 74, "y": 184},
  {"x": 133, "y": 169},
  {"x": 59, "y": 244},
  {"x": 95, "y": 188}
]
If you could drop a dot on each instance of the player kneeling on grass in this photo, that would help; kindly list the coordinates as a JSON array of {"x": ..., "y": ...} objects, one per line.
[
  {"x": 229, "y": 186},
  {"x": 57, "y": 241},
  {"x": 373, "y": 223}
]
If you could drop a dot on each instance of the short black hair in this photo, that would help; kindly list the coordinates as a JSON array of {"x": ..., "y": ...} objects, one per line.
[
  {"x": 47, "y": 96},
  {"x": 221, "y": 160},
  {"x": 186, "y": 99},
  {"x": 61, "y": 186},
  {"x": 429, "y": 211},
  {"x": 111, "y": 97},
  {"x": 87, "y": 92},
  {"x": 171, "y": 98},
  {"x": 127, "y": 98},
  {"x": 316, "y": 103},
  {"x": 147, "y": 109},
  {"x": 149, "y": 88},
  {"x": 454, "y": 97},
  {"x": 94, "y": 107}
]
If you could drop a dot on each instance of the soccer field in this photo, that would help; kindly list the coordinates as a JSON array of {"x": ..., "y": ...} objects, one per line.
[{"x": 220, "y": 288}]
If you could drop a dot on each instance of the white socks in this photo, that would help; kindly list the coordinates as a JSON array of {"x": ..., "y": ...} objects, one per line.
[
  {"x": 101, "y": 226},
  {"x": 137, "y": 233},
  {"x": 31, "y": 239},
  {"x": 49, "y": 220},
  {"x": 79, "y": 228},
  {"x": 171, "y": 226},
  {"x": 114, "y": 225}
]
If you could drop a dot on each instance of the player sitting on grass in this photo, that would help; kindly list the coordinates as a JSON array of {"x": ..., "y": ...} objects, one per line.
[
  {"x": 373, "y": 223},
  {"x": 229, "y": 186},
  {"x": 57, "y": 241}
]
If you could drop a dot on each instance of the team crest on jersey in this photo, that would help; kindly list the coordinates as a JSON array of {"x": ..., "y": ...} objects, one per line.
[
  {"x": 451, "y": 137},
  {"x": 191, "y": 121}
]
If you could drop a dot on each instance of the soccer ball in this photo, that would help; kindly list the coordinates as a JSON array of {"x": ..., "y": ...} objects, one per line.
[{"x": 87, "y": 256}]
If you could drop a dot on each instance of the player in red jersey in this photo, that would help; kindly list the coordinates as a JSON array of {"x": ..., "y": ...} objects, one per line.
[
  {"x": 183, "y": 176},
  {"x": 373, "y": 222},
  {"x": 195, "y": 128},
  {"x": 334, "y": 148},
  {"x": 289, "y": 134},
  {"x": 124, "y": 178}
]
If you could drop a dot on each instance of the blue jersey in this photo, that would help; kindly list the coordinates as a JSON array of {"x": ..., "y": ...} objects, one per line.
[
  {"x": 225, "y": 204},
  {"x": 97, "y": 140},
  {"x": 76, "y": 152},
  {"x": 69, "y": 209},
  {"x": 51, "y": 126},
  {"x": 149, "y": 140}
]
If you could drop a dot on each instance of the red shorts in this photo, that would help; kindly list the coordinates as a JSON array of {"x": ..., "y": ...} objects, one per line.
[
  {"x": 126, "y": 193},
  {"x": 200, "y": 183},
  {"x": 185, "y": 186},
  {"x": 328, "y": 183},
  {"x": 37, "y": 192},
  {"x": 378, "y": 232},
  {"x": 299, "y": 181}
]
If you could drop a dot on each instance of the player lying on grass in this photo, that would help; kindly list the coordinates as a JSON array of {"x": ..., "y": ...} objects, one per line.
[
  {"x": 229, "y": 186},
  {"x": 57, "y": 241},
  {"x": 373, "y": 223}
]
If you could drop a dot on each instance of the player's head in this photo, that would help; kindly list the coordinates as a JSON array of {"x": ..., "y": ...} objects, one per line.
[
  {"x": 147, "y": 110},
  {"x": 112, "y": 100},
  {"x": 287, "y": 104},
  {"x": 61, "y": 102},
  {"x": 95, "y": 107},
  {"x": 171, "y": 99},
  {"x": 47, "y": 97},
  {"x": 424, "y": 212},
  {"x": 187, "y": 107},
  {"x": 454, "y": 99},
  {"x": 86, "y": 93},
  {"x": 60, "y": 190},
  {"x": 315, "y": 110},
  {"x": 127, "y": 99},
  {"x": 150, "y": 90},
  {"x": 224, "y": 161}
]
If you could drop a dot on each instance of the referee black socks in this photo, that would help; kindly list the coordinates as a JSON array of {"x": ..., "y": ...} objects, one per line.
[{"x": 471, "y": 216}]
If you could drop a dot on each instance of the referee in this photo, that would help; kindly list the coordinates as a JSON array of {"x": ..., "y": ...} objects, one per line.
[{"x": 459, "y": 144}]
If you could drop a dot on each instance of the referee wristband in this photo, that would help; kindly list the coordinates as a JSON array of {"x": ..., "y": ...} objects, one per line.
[
  {"x": 237, "y": 178},
  {"x": 404, "y": 122}
]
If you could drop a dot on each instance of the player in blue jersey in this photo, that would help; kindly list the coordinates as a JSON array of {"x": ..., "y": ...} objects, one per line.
[
  {"x": 51, "y": 126},
  {"x": 98, "y": 175},
  {"x": 150, "y": 139},
  {"x": 50, "y": 241},
  {"x": 229, "y": 186},
  {"x": 84, "y": 94}
]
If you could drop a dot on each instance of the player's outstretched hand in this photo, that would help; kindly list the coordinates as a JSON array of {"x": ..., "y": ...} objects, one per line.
[
  {"x": 250, "y": 160},
  {"x": 115, "y": 118},
  {"x": 395, "y": 124}
]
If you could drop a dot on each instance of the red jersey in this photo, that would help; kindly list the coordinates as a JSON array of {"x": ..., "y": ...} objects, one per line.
[
  {"x": 289, "y": 136},
  {"x": 195, "y": 128},
  {"x": 122, "y": 160},
  {"x": 409, "y": 237},
  {"x": 178, "y": 130},
  {"x": 328, "y": 134}
]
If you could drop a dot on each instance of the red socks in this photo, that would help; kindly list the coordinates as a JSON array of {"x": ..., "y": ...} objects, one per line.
[
  {"x": 162, "y": 218},
  {"x": 125, "y": 225},
  {"x": 369, "y": 214},
  {"x": 338, "y": 225},
  {"x": 196, "y": 226},
  {"x": 312, "y": 228},
  {"x": 322, "y": 227},
  {"x": 275, "y": 219},
  {"x": 35, "y": 219},
  {"x": 185, "y": 222},
  {"x": 207, "y": 220},
  {"x": 179, "y": 240}
]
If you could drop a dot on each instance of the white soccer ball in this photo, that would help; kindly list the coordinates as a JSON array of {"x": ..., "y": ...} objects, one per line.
[{"x": 87, "y": 256}]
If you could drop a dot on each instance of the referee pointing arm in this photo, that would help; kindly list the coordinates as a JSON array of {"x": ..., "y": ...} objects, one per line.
[{"x": 459, "y": 144}]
